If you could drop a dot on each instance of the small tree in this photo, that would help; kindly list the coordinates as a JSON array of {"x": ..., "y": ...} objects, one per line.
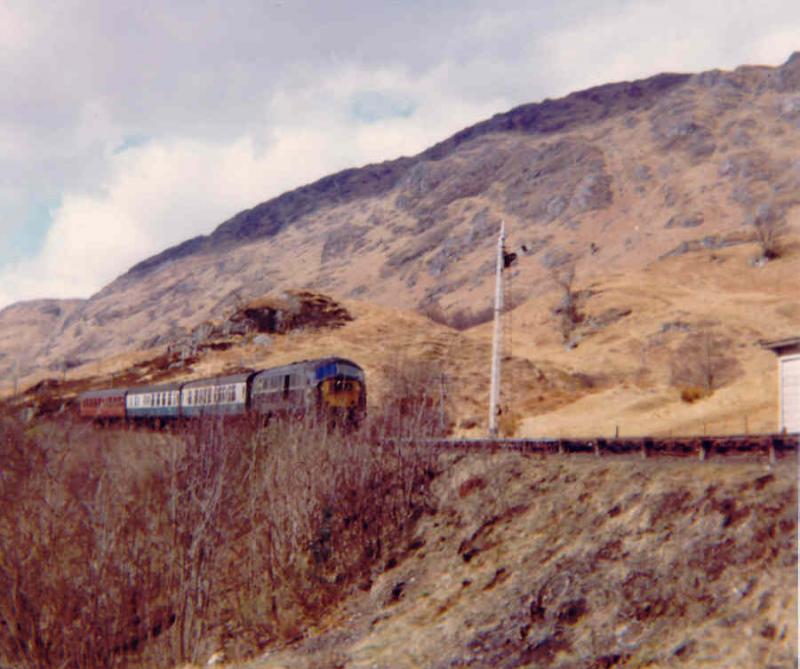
[
  {"x": 770, "y": 228},
  {"x": 417, "y": 402},
  {"x": 700, "y": 364},
  {"x": 568, "y": 308}
]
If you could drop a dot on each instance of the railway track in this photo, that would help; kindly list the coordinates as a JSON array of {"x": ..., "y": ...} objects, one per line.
[{"x": 771, "y": 446}]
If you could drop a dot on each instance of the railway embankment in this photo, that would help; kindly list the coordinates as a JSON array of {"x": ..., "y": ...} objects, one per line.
[
  {"x": 560, "y": 561},
  {"x": 295, "y": 547}
]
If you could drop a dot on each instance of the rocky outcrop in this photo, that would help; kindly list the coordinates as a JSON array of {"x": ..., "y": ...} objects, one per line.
[
  {"x": 551, "y": 116},
  {"x": 272, "y": 315}
]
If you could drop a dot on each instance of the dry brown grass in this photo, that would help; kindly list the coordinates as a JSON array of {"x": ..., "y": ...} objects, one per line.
[{"x": 566, "y": 562}]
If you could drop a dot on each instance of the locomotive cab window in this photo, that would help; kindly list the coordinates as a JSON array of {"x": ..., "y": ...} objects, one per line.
[{"x": 342, "y": 385}]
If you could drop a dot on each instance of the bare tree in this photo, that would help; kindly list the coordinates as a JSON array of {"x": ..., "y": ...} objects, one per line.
[
  {"x": 770, "y": 228},
  {"x": 568, "y": 308},
  {"x": 701, "y": 364}
]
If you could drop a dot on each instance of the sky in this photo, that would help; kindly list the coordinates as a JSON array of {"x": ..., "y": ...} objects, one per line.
[{"x": 128, "y": 127}]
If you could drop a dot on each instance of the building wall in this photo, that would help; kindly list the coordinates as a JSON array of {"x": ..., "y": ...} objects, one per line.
[{"x": 789, "y": 375}]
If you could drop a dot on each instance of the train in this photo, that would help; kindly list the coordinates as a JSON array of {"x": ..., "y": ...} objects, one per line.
[{"x": 333, "y": 388}]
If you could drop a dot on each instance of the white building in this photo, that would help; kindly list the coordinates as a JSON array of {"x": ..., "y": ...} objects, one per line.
[{"x": 788, "y": 352}]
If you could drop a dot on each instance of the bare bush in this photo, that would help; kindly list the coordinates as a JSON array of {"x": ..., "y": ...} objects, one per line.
[
  {"x": 120, "y": 548},
  {"x": 568, "y": 309},
  {"x": 416, "y": 404},
  {"x": 702, "y": 364},
  {"x": 770, "y": 227}
]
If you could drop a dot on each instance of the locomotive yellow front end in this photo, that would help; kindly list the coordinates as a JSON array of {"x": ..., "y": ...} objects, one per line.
[{"x": 342, "y": 390}]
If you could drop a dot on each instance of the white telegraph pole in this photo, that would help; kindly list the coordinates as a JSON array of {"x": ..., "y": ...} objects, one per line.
[{"x": 494, "y": 391}]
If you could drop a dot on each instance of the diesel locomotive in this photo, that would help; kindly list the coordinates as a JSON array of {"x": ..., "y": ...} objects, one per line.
[{"x": 334, "y": 388}]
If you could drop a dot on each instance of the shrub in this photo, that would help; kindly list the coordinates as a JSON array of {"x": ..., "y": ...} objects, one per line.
[
  {"x": 691, "y": 394},
  {"x": 509, "y": 423},
  {"x": 770, "y": 228},
  {"x": 702, "y": 361},
  {"x": 416, "y": 404},
  {"x": 136, "y": 547},
  {"x": 569, "y": 307}
]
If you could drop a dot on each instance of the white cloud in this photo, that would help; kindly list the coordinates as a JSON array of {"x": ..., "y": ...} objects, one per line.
[
  {"x": 639, "y": 40},
  {"x": 777, "y": 46},
  {"x": 218, "y": 110},
  {"x": 163, "y": 192},
  {"x": 17, "y": 27}
]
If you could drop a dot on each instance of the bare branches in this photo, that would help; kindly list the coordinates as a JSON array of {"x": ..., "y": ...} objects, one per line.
[
  {"x": 114, "y": 545},
  {"x": 769, "y": 225},
  {"x": 568, "y": 309},
  {"x": 702, "y": 364}
]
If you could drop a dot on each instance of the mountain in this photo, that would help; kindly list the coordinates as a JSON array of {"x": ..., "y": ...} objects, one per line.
[{"x": 629, "y": 182}]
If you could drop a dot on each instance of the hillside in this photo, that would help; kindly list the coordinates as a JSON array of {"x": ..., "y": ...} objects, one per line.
[
  {"x": 296, "y": 547},
  {"x": 24, "y": 326},
  {"x": 649, "y": 188},
  {"x": 578, "y": 563}
]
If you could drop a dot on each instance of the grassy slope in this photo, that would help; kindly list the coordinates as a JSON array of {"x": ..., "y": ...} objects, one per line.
[
  {"x": 631, "y": 358},
  {"x": 581, "y": 563},
  {"x": 627, "y": 361}
]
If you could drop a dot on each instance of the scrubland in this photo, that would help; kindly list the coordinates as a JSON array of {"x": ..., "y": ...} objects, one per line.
[
  {"x": 293, "y": 546},
  {"x": 140, "y": 548}
]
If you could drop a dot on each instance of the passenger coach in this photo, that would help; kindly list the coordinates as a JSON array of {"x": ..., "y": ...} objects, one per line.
[
  {"x": 218, "y": 396},
  {"x": 103, "y": 404},
  {"x": 332, "y": 387}
]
